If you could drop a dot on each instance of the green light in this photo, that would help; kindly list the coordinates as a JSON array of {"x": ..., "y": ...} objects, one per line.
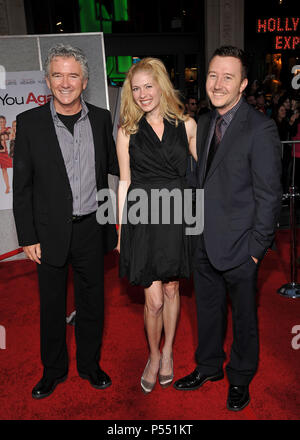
[
  {"x": 94, "y": 17},
  {"x": 106, "y": 20},
  {"x": 88, "y": 20},
  {"x": 124, "y": 64},
  {"x": 121, "y": 10}
]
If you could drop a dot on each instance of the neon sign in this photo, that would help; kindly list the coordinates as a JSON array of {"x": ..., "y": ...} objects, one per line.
[{"x": 280, "y": 24}]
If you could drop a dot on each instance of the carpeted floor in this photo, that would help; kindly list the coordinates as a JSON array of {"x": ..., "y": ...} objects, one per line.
[{"x": 275, "y": 390}]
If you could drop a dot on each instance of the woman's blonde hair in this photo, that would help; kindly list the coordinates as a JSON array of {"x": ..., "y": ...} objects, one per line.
[{"x": 171, "y": 106}]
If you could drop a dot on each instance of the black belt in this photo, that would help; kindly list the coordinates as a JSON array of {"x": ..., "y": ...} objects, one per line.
[{"x": 79, "y": 218}]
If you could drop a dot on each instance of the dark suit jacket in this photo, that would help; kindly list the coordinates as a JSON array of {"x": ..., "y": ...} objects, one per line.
[
  {"x": 42, "y": 196},
  {"x": 242, "y": 190}
]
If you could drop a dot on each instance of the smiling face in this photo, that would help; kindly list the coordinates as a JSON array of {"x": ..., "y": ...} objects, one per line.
[
  {"x": 224, "y": 84},
  {"x": 281, "y": 112},
  {"x": 66, "y": 83},
  {"x": 145, "y": 91}
]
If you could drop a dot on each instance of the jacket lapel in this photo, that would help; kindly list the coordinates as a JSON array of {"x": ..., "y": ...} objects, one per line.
[
  {"x": 98, "y": 142},
  {"x": 233, "y": 132},
  {"x": 53, "y": 144},
  {"x": 202, "y": 144}
]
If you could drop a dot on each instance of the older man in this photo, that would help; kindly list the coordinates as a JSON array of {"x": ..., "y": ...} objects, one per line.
[{"x": 63, "y": 153}]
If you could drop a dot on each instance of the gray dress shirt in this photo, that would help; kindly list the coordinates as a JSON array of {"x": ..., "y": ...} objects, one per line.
[{"x": 79, "y": 157}]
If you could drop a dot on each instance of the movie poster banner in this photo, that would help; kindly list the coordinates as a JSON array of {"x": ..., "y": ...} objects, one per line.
[{"x": 23, "y": 91}]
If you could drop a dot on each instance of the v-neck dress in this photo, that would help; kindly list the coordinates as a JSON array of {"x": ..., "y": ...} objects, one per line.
[{"x": 151, "y": 252}]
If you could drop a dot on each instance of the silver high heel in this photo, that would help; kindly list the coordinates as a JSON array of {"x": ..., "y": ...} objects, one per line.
[
  {"x": 147, "y": 387},
  {"x": 166, "y": 380}
]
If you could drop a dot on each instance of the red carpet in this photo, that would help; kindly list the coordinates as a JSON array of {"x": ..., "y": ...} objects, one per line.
[{"x": 275, "y": 390}]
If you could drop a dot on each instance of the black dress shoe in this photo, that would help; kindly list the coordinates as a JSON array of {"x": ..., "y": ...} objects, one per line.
[
  {"x": 238, "y": 397},
  {"x": 98, "y": 379},
  {"x": 46, "y": 386},
  {"x": 196, "y": 379}
]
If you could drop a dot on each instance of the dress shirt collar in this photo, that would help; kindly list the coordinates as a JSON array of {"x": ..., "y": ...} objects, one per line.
[
  {"x": 228, "y": 116},
  {"x": 57, "y": 121}
]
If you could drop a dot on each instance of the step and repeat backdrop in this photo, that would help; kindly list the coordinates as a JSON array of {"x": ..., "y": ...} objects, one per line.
[{"x": 22, "y": 86}]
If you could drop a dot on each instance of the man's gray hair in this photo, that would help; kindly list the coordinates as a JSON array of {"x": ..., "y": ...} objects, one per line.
[{"x": 67, "y": 51}]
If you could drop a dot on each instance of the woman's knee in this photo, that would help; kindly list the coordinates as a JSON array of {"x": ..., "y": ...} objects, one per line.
[
  {"x": 154, "y": 305},
  {"x": 171, "y": 290}
]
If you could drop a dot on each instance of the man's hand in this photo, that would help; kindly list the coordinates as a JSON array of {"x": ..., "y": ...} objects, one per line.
[
  {"x": 33, "y": 252},
  {"x": 254, "y": 259}
]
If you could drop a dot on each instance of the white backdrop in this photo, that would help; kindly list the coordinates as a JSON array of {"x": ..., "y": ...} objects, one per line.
[{"x": 24, "y": 90}]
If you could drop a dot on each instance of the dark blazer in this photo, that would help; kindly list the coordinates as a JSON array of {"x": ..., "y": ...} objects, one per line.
[
  {"x": 42, "y": 196},
  {"x": 242, "y": 190}
]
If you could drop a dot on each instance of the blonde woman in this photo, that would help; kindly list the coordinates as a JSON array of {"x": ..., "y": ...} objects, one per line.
[{"x": 154, "y": 140}]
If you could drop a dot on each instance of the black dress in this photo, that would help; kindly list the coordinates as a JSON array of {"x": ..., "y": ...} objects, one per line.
[{"x": 151, "y": 252}]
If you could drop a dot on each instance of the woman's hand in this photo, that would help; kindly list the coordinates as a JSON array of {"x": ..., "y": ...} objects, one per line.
[{"x": 117, "y": 248}]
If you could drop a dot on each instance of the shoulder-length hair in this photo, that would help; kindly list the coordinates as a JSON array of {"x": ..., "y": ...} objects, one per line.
[{"x": 171, "y": 106}]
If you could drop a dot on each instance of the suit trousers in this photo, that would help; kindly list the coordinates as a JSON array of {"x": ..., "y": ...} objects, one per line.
[
  {"x": 211, "y": 287},
  {"x": 87, "y": 260}
]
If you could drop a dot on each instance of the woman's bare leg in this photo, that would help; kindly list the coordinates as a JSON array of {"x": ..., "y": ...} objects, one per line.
[
  {"x": 170, "y": 318},
  {"x": 153, "y": 318},
  {"x": 6, "y": 180}
]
